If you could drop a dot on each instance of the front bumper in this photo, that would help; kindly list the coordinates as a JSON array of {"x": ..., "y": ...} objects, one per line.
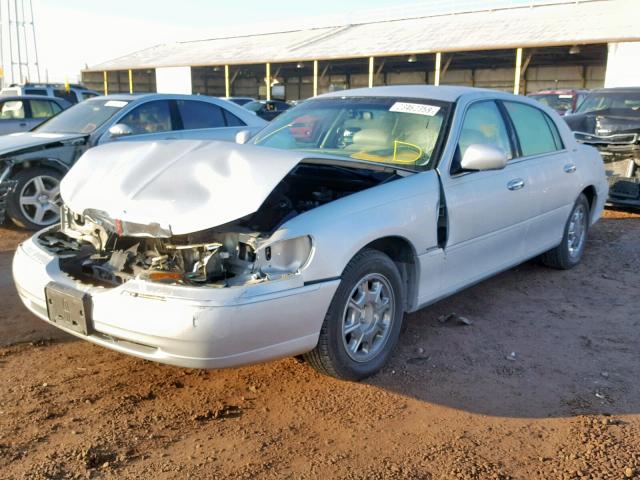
[
  {"x": 194, "y": 327},
  {"x": 624, "y": 191},
  {"x": 622, "y": 166}
]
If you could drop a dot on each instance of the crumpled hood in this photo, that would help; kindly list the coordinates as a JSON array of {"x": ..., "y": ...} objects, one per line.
[
  {"x": 15, "y": 142},
  {"x": 183, "y": 185},
  {"x": 605, "y": 122}
]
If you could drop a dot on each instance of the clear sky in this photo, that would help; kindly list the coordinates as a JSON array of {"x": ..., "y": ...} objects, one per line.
[{"x": 75, "y": 33}]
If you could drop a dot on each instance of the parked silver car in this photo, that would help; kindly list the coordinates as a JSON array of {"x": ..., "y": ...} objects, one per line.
[
  {"x": 32, "y": 163},
  {"x": 21, "y": 114},
  {"x": 316, "y": 238}
]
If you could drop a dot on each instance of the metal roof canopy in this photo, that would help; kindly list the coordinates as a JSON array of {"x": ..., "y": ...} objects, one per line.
[{"x": 576, "y": 23}]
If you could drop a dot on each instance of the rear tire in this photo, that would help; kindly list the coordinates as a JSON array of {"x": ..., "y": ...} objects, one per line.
[
  {"x": 569, "y": 253},
  {"x": 363, "y": 323},
  {"x": 35, "y": 201}
]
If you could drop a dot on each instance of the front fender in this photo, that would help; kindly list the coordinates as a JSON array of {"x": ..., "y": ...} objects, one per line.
[{"x": 406, "y": 208}]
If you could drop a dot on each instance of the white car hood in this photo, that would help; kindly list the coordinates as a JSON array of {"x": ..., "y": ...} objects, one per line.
[{"x": 182, "y": 185}]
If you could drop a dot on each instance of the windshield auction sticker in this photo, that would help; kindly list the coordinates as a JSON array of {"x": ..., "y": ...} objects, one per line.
[
  {"x": 115, "y": 103},
  {"x": 415, "y": 108}
]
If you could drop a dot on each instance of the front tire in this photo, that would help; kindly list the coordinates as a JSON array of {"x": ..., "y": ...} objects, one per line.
[
  {"x": 363, "y": 323},
  {"x": 569, "y": 253},
  {"x": 35, "y": 201}
]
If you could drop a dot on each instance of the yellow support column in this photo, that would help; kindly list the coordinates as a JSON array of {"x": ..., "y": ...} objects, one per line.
[
  {"x": 516, "y": 80},
  {"x": 370, "y": 72},
  {"x": 315, "y": 78},
  {"x": 268, "y": 81},
  {"x": 106, "y": 86},
  {"x": 436, "y": 79},
  {"x": 227, "y": 86},
  {"x": 130, "y": 81}
]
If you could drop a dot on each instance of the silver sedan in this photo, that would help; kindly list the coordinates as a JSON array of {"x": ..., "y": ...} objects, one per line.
[{"x": 316, "y": 235}]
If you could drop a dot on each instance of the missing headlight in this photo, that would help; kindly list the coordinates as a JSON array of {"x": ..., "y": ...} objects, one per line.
[{"x": 284, "y": 256}]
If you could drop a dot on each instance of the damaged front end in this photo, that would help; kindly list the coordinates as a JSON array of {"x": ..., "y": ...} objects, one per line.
[
  {"x": 96, "y": 249},
  {"x": 6, "y": 187},
  {"x": 615, "y": 133},
  {"x": 621, "y": 156},
  {"x": 100, "y": 251}
]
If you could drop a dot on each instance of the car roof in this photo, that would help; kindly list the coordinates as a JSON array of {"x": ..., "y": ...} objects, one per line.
[
  {"x": 558, "y": 91},
  {"x": 32, "y": 97},
  {"x": 446, "y": 93},
  {"x": 617, "y": 89},
  {"x": 129, "y": 97}
]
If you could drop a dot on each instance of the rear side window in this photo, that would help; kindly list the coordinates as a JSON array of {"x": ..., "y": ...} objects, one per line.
[
  {"x": 12, "y": 110},
  {"x": 43, "y": 108},
  {"x": 483, "y": 124},
  {"x": 536, "y": 132},
  {"x": 196, "y": 114},
  {"x": 232, "y": 120}
]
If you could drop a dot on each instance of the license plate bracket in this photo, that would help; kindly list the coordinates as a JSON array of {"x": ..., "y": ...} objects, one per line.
[{"x": 68, "y": 307}]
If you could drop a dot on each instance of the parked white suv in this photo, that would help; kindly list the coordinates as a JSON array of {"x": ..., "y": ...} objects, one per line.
[{"x": 74, "y": 94}]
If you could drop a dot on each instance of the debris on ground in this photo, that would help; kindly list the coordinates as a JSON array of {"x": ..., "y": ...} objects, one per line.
[{"x": 454, "y": 316}]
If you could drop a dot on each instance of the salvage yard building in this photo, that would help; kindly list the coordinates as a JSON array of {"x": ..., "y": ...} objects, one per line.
[{"x": 519, "y": 47}]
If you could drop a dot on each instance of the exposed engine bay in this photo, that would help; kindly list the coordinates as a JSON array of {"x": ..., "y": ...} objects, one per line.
[{"x": 98, "y": 250}]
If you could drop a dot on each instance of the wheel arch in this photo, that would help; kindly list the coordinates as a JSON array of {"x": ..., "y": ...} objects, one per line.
[
  {"x": 592, "y": 198},
  {"x": 590, "y": 193},
  {"x": 53, "y": 163},
  {"x": 403, "y": 254}
]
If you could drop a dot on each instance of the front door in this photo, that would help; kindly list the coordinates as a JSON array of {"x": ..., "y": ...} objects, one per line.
[{"x": 154, "y": 120}]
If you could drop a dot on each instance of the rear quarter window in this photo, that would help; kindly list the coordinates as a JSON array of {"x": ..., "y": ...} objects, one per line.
[{"x": 537, "y": 133}]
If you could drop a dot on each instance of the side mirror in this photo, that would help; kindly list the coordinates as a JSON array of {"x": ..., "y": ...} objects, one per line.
[
  {"x": 120, "y": 130},
  {"x": 480, "y": 157},
  {"x": 243, "y": 136}
]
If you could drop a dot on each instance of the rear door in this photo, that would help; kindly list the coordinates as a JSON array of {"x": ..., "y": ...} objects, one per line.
[
  {"x": 13, "y": 116},
  {"x": 554, "y": 181},
  {"x": 40, "y": 110},
  {"x": 487, "y": 211}
]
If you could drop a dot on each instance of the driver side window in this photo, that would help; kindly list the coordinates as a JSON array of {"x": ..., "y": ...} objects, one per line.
[
  {"x": 483, "y": 124},
  {"x": 150, "y": 117}
]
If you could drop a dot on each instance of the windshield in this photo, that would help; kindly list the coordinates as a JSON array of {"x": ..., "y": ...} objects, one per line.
[
  {"x": 240, "y": 101},
  {"x": 83, "y": 117},
  {"x": 560, "y": 102},
  {"x": 253, "y": 106},
  {"x": 395, "y": 131},
  {"x": 629, "y": 100}
]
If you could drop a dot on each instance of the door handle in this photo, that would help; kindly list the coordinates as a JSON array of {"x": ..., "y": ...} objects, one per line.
[
  {"x": 23, "y": 124},
  {"x": 570, "y": 168},
  {"x": 515, "y": 184}
]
